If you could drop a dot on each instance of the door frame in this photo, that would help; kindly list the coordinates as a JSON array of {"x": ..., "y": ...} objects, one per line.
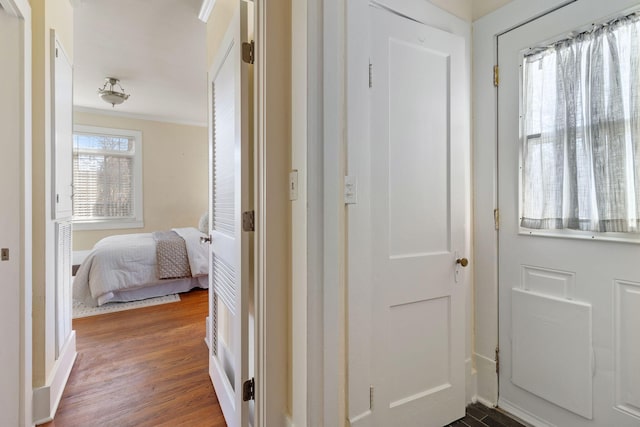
[
  {"x": 21, "y": 10},
  {"x": 271, "y": 241}
]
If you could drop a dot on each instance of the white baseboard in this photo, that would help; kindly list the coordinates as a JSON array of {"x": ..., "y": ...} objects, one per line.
[
  {"x": 487, "y": 381},
  {"x": 47, "y": 398},
  {"x": 524, "y": 416},
  {"x": 288, "y": 422},
  {"x": 471, "y": 376}
]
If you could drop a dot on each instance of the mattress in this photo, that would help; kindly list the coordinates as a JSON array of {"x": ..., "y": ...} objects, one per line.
[{"x": 124, "y": 268}]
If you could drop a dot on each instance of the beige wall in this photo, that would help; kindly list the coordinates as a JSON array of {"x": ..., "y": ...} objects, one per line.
[
  {"x": 46, "y": 15},
  {"x": 217, "y": 26},
  {"x": 174, "y": 170}
]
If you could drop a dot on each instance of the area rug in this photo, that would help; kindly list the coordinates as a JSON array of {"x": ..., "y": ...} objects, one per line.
[{"x": 81, "y": 310}]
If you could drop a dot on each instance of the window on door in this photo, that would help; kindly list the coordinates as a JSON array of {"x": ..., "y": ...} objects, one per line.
[
  {"x": 580, "y": 163},
  {"x": 107, "y": 178}
]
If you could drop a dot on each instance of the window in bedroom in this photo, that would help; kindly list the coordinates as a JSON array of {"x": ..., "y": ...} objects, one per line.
[
  {"x": 580, "y": 164},
  {"x": 107, "y": 178}
]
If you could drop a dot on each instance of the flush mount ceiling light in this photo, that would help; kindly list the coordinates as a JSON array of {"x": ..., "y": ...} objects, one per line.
[{"x": 110, "y": 95}]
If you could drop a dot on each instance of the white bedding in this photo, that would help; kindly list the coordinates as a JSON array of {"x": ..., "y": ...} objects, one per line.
[{"x": 119, "y": 264}]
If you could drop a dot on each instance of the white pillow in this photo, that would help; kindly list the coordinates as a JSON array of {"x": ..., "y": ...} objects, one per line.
[{"x": 203, "y": 224}]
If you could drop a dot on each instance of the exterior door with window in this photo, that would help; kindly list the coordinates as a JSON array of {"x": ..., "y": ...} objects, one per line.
[
  {"x": 569, "y": 139},
  {"x": 231, "y": 257}
]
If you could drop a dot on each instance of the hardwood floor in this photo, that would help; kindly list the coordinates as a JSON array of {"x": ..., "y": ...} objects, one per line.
[{"x": 143, "y": 367}]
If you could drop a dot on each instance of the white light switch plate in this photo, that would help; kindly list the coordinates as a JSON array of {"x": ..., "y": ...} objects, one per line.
[{"x": 350, "y": 190}]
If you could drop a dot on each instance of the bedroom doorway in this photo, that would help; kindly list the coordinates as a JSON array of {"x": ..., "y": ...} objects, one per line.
[{"x": 271, "y": 214}]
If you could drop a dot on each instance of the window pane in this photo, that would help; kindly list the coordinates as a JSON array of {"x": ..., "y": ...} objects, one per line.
[
  {"x": 110, "y": 143},
  {"x": 103, "y": 186},
  {"x": 581, "y": 132}
]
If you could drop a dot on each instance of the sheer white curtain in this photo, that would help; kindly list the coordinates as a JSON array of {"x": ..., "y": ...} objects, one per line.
[{"x": 581, "y": 131}]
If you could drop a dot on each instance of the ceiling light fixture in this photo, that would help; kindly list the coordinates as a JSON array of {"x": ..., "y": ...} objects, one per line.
[{"x": 110, "y": 95}]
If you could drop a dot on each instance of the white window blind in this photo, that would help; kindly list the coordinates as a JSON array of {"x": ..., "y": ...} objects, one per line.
[
  {"x": 581, "y": 131},
  {"x": 105, "y": 175}
]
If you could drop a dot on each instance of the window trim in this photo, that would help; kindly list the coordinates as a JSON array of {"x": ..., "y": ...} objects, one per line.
[{"x": 137, "y": 221}]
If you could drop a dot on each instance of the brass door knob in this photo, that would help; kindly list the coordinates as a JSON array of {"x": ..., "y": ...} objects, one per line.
[{"x": 462, "y": 261}]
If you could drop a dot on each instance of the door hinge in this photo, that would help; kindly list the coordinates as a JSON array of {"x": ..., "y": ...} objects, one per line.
[
  {"x": 496, "y": 218},
  {"x": 370, "y": 75},
  {"x": 249, "y": 52},
  {"x": 371, "y": 398},
  {"x": 248, "y": 390},
  {"x": 498, "y": 360},
  {"x": 248, "y": 221},
  {"x": 56, "y": 52},
  {"x": 496, "y": 75}
]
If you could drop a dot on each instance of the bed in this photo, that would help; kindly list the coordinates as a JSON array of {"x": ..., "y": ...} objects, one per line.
[{"x": 132, "y": 267}]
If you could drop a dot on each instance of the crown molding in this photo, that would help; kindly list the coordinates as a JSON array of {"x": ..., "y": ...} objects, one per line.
[
  {"x": 205, "y": 10},
  {"x": 138, "y": 116}
]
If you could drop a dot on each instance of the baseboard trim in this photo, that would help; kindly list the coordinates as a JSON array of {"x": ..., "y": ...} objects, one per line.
[
  {"x": 47, "y": 398},
  {"x": 288, "y": 422},
  {"x": 523, "y": 416},
  {"x": 487, "y": 380},
  {"x": 484, "y": 401},
  {"x": 471, "y": 386}
]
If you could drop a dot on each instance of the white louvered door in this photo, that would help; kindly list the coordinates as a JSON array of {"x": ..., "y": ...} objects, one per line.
[
  {"x": 63, "y": 284},
  {"x": 230, "y": 196}
]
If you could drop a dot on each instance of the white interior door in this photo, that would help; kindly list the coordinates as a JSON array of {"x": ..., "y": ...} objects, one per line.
[
  {"x": 413, "y": 199},
  {"x": 568, "y": 302},
  {"x": 230, "y": 196}
]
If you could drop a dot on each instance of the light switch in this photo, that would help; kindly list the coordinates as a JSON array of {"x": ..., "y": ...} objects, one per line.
[
  {"x": 350, "y": 190},
  {"x": 4, "y": 254}
]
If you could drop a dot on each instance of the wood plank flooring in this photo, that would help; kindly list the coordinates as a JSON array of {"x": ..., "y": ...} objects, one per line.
[{"x": 143, "y": 367}]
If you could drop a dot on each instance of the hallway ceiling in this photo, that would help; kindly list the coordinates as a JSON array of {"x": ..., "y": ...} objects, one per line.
[
  {"x": 158, "y": 51},
  {"x": 156, "y": 48}
]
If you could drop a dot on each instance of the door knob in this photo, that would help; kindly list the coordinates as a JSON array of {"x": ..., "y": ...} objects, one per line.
[
  {"x": 205, "y": 239},
  {"x": 462, "y": 261}
]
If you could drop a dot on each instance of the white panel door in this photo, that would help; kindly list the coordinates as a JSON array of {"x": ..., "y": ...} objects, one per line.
[
  {"x": 567, "y": 306},
  {"x": 230, "y": 195},
  {"x": 417, "y": 217}
]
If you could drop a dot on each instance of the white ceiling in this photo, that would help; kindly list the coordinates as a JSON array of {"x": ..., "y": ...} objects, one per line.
[{"x": 157, "y": 48}]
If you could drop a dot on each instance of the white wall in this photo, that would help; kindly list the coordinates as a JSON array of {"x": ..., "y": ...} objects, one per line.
[
  {"x": 174, "y": 174},
  {"x": 485, "y": 186},
  {"x": 15, "y": 215}
]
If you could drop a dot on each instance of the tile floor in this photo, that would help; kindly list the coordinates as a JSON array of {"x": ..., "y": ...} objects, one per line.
[{"x": 479, "y": 415}]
